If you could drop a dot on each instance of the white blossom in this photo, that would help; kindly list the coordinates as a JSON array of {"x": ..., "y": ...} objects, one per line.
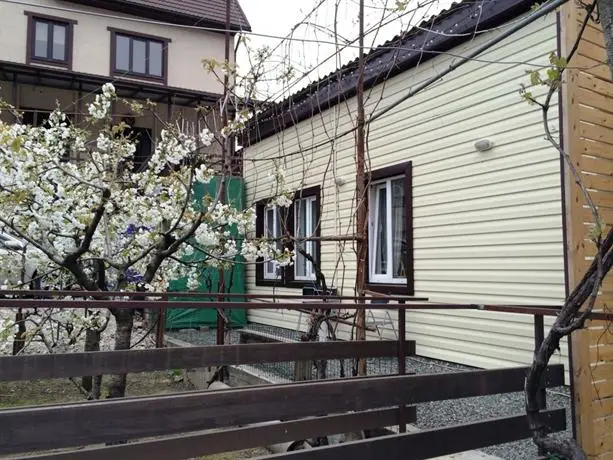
[{"x": 52, "y": 204}]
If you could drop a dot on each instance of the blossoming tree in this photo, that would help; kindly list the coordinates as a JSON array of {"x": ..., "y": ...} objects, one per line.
[{"x": 98, "y": 219}]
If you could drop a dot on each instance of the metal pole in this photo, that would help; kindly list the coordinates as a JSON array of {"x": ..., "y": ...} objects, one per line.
[
  {"x": 402, "y": 335},
  {"x": 539, "y": 336}
]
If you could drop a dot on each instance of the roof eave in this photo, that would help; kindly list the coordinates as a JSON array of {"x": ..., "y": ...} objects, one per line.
[
  {"x": 160, "y": 15},
  {"x": 316, "y": 97}
]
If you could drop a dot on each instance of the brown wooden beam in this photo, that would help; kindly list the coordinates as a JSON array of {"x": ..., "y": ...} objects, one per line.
[
  {"x": 196, "y": 445},
  {"x": 95, "y": 422},
  {"x": 32, "y": 367},
  {"x": 433, "y": 442}
]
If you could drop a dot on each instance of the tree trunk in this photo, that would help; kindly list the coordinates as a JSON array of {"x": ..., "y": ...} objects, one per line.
[
  {"x": 605, "y": 10},
  {"x": 19, "y": 341},
  {"x": 92, "y": 343},
  {"x": 124, "y": 320}
]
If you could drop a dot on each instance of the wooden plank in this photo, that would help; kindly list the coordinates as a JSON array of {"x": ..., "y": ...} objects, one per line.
[
  {"x": 595, "y": 116},
  {"x": 601, "y": 353},
  {"x": 602, "y": 407},
  {"x": 591, "y": 66},
  {"x": 597, "y": 85},
  {"x": 593, "y": 51},
  {"x": 599, "y": 198},
  {"x": 592, "y": 35},
  {"x": 587, "y": 147},
  {"x": 95, "y": 422},
  {"x": 602, "y": 371},
  {"x": 596, "y": 132},
  {"x": 598, "y": 390},
  {"x": 195, "y": 445},
  {"x": 604, "y": 442},
  {"x": 433, "y": 442},
  {"x": 31, "y": 367},
  {"x": 603, "y": 426}
]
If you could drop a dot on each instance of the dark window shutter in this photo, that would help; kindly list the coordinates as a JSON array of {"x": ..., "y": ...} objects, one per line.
[
  {"x": 408, "y": 193},
  {"x": 259, "y": 232},
  {"x": 287, "y": 229}
]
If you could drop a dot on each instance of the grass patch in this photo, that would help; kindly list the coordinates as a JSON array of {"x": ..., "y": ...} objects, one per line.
[{"x": 58, "y": 391}]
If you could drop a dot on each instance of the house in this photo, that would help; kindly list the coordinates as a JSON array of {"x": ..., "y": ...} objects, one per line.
[
  {"x": 467, "y": 200},
  {"x": 62, "y": 52}
]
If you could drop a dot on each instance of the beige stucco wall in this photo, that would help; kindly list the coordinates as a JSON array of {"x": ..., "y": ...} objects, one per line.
[{"x": 92, "y": 42}]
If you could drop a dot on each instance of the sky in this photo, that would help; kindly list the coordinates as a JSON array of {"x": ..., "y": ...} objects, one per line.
[{"x": 314, "y": 20}]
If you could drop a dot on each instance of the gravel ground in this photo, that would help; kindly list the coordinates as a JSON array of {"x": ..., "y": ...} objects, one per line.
[{"x": 431, "y": 414}]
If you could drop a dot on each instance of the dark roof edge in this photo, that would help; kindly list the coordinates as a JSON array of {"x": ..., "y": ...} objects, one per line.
[
  {"x": 382, "y": 64},
  {"x": 130, "y": 86},
  {"x": 160, "y": 15}
]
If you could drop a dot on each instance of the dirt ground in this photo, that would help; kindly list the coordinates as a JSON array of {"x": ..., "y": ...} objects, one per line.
[{"x": 18, "y": 394}]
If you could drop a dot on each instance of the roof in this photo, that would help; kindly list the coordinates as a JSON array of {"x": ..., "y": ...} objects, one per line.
[
  {"x": 395, "y": 56},
  {"x": 206, "y": 13},
  {"x": 66, "y": 79}
]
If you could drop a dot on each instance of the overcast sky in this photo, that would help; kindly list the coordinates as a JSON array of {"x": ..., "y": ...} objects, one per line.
[{"x": 278, "y": 17}]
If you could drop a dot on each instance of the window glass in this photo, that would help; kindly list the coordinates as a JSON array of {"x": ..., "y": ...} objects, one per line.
[
  {"x": 41, "y": 39},
  {"x": 398, "y": 230},
  {"x": 271, "y": 230},
  {"x": 156, "y": 57},
  {"x": 139, "y": 56},
  {"x": 388, "y": 233},
  {"x": 381, "y": 230},
  {"x": 122, "y": 53},
  {"x": 305, "y": 221},
  {"x": 59, "y": 42}
]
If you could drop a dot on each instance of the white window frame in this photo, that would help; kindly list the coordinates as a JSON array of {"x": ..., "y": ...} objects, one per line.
[
  {"x": 275, "y": 272},
  {"x": 310, "y": 245},
  {"x": 388, "y": 278}
]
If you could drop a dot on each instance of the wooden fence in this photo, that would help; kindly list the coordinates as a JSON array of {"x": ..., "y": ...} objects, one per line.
[
  {"x": 587, "y": 114},
  {"x": 196, "y": 423}
]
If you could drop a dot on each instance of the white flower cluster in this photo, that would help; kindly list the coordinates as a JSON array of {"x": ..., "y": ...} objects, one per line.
[
  {"x": 283, "y": 196},
  {"x": 238, "y": 124},
  {"x": 106, "y": 212},
  {"x": 100, "y": 108},
  {"x": 206, "y": 137}
]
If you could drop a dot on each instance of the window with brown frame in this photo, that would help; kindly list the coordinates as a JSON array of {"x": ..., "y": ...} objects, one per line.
[
  {"x": 140, "y": 56},
  {"x": 390, "y": 230},
  {"x": 49, "y": 40},
  {"x": 300, "y": 220}
]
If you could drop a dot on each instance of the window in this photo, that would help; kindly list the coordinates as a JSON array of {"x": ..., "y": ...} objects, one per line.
[
  {"x": 140, "y": 56},
  {"x": 38, "y": 118},
  {"x": 49, "y": 40},
  {"x": 390, "y": 228},
  {"x": 272, "y": 230},
  {"x": 301, "y": 220},
  {"x": 305, "y": 225}
]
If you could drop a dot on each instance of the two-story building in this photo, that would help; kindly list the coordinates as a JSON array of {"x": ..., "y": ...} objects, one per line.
[{"x": 55, "y": 52}]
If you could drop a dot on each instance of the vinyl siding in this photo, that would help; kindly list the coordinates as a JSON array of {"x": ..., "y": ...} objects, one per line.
[{"x": 487, "y": 226}]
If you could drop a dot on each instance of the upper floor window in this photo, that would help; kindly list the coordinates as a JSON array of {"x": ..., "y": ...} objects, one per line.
[
  {"x": 390, "y": 227},
  {"x": 49, "y": 40},
  {"x": 138, "y": 55}
]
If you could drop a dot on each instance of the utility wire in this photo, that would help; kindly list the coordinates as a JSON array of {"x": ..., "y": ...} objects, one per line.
[{"x": 543, "y": 10}]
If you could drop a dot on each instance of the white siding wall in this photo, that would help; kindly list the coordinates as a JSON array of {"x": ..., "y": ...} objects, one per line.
[{"x": 487, "y": 226}]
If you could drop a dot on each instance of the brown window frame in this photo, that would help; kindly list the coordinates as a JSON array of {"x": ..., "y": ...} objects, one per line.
[
  {"x": 31, "y": 58},
  {"x": 287, "y": 278},
  {"x": 403, "y": 169},
  {"x": 148, "y": 39}
]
